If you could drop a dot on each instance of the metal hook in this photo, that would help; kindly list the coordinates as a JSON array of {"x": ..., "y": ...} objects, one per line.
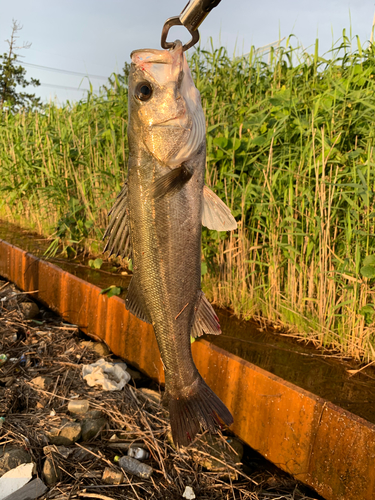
[{"x": 175, "y": 21}]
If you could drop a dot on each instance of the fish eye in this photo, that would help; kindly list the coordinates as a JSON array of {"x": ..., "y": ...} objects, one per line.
[{"x": 143, "y": 91}]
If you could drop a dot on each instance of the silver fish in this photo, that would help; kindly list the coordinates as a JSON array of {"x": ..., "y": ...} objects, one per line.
[{"x": 157, "y": 219}]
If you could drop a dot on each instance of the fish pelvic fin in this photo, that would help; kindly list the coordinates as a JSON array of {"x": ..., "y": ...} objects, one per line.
[
  {"x": 205, "y": 318},
  {"x": 197, "y": 407},
  {"x": 134, "y": 301},
  {"x": 170, "y": 183},
  {"x": 118, "y": 229},
  {"x": 216, "y": 215}
]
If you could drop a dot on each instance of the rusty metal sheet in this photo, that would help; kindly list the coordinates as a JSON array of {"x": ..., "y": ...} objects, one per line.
[{"x": 325, "y": 447}]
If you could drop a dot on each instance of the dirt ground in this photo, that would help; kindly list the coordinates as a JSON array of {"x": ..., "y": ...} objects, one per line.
[{"x": 42, "y": 373}]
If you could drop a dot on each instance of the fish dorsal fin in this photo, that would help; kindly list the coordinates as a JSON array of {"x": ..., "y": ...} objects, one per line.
[
  {"x": 216, "y": 215},
  {"x": 135, "y": 303},
  {"x": 205, "y": 319},
  {"x": 170, "y": 183},
  {"x": 118, "y": 229}
]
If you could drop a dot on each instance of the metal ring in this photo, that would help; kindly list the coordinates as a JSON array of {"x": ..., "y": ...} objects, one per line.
[{"x": 175, "y": 21}]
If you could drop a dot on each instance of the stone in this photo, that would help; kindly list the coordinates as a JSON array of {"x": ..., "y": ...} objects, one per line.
[
  {"x": 219, "y": 453},
  {"x": 51, "y": 472},
  {"x": 189, "y": 493},
  {"x": 94, "y": 414},
  {"x": 15, "y": 479},
  {"x": 151, "y": 395},
  {"x": 135, "y": 375},
  {"x": 61, "y": 450},
  {"x": 32, "y": 490},
  {"x": 82, "y": 454},
  {"x": 43, "y": 383},
  {"x": 29, "y": 309},
  {"x": 13, "y": 457},
  {"x": 91, "y": 427},
  {"x": 237, "y": 447},
  {"x": 99, "y": 347},
  {"x": 67, "y": 434}
]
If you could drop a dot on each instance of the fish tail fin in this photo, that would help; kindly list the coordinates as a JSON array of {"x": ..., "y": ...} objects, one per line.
[{"x": 197, "y": 406}]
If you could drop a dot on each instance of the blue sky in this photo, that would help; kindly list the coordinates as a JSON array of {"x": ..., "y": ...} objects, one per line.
[{"x": 95, "y": 37}]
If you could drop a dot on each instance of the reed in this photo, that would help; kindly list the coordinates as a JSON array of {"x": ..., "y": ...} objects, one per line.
[{"x": 289, "y": 149}]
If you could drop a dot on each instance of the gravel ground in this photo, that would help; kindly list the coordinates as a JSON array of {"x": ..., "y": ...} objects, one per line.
[{"x": 74, "y": 454}]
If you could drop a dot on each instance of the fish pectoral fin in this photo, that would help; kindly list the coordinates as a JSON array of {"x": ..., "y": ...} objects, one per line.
[
  {"x": 215, "y": 214},
  {"x": 134, "y": 302},
  {"x": 205, "y": 319},
  {"x": 170, "y": 183},
  {"x": 118, "y": 229}
]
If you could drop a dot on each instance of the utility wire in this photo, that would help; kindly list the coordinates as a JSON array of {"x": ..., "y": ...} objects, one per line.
[
  {"x": 65, "y": 87},
  {"x": 66, "y": 71}
]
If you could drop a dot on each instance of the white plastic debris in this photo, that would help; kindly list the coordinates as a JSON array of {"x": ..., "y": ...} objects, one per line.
[
  {"x": 15, "y": 478},
  {"x": 189, "y": 493},
  {"x": 111, "y": 376}
]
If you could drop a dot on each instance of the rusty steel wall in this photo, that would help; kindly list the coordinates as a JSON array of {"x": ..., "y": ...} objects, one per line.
[{"x": 325, "y": 447}]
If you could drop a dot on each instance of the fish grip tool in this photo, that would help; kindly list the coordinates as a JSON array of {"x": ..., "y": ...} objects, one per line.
[{"x": 191, "y": 17}]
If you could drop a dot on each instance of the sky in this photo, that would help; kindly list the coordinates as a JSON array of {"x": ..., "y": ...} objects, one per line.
[{"x": 95, "y": 38}]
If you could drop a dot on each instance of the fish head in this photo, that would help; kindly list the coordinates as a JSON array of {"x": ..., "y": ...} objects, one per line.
[{"x": 165, "y": 109}]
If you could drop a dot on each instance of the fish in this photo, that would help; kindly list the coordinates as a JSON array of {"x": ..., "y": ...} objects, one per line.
[{"x": 157, "y": 221}]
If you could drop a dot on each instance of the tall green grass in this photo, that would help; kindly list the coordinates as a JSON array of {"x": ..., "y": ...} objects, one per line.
[{"x": 290, "y": 150}]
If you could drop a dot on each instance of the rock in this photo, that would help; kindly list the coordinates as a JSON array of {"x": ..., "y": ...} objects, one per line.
[
  {"x": 51, "y": 472},
  {"x": 151, "y": 395},
  {"x": 61, "y": 450},
  {"x": 189, "y": 493},
  {"x": 15, "y": 479},
  {"x": 82, "y": 454},
  {"x": 68, "y": 434},
  {"x": 91, "y": 427},
  {"x": 13, "y": 457},
  {"x": 237, "y": 447},
  {"x": 32, "y": 490},
  {"x": 98, "y": 347},
  {"x": 135, "y": 375},
  {"x": 29, "y": 309},
  {"x": 43, "y": 383},
  {"x": 219, "y": 453},
  {"x": 94, "y": 414}
]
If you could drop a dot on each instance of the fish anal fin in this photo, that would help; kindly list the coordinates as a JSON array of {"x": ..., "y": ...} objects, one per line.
[
  {"x": 205, "y": 319},
  {"x": 134, "y": 302},
  {"x": 215, "y": 214},
  {"x": 170, "y": 183}
]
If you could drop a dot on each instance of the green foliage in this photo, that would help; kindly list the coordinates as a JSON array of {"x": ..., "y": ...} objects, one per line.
[
  {"x": 111, "y": 291},
  {"x": 289, "y": 149},
  {"x": 13, "y": 75},
  {"x": 96, "y": 264}
]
